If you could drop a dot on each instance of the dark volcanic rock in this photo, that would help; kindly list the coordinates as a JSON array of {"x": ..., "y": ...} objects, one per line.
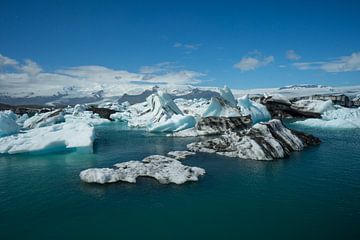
[
  {"x": 103, "y": 112},
  {"x": 22, "y": 109}
]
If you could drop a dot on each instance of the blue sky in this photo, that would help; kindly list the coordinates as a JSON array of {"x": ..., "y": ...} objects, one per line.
[{"x": 238, "y": 43}]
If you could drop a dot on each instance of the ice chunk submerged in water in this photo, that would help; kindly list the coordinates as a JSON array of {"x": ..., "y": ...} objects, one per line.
[
  {"x": 164, "y": 169},
  {"x": 55, "y": 138},
  {"x": 8, "y": 123}
]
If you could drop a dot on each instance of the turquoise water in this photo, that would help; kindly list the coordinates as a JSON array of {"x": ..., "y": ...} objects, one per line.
[{"x": 314, "y": 194}]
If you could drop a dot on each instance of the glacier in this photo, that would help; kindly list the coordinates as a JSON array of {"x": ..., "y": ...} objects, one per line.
[
  {"x": 8, "y": 124},
  {"x": 164, "y": 169}
]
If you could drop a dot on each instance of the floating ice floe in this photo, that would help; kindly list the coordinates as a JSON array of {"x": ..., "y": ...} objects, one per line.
[
  {"x": 264, "y": 141},
  {"x": 257, "y": 111},
  {"x": 8, "y": 123},
  {"x": 55, "y": 138},
  {"x": 340, "y": 118},
  {"x": 178, "y": 155},
  {"x": 163, "y": 169}
]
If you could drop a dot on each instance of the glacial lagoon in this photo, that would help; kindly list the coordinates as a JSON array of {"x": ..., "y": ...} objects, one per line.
[{"x": 313, "y": 194}]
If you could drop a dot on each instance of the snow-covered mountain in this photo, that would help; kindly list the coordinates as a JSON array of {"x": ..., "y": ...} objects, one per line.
[{"x": 72, "y": 95}]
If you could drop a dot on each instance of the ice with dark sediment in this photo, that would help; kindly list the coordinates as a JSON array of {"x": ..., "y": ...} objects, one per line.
[{"x": 164, "y": 169}]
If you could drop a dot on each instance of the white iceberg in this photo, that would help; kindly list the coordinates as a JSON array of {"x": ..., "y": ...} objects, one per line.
[
  {"x": 21, "y": 119},
  {"x": 164, "y": 169},
  {"x": 220, "y": 108},
  {"x": 59, "y": 137},
  {"x": 166, "y": 116},
  {"x": 8, "y": 123},
  {"x": 79, "y": 114},
  {"x": 44, "y": 119},
  {"x": 340, "y": 118},
  {"x": 228, "y": 96},
  {"x": 193, "y": 107},
  {"x": 317, "y": 106},
  {"x": 257, "y": 111},
  {"x": 174, "y": 124}
]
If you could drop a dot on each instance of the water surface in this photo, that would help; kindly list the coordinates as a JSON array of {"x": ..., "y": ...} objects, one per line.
[{"x": 314, "y": 194}]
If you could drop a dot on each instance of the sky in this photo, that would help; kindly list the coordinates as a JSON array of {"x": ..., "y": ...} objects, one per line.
[{"x": 243, "y": 44}]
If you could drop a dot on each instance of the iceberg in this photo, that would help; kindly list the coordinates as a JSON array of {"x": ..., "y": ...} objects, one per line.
[
  {"x": 8, "y": 123},
  {"x": 228, "y": 96},
  {"x": 257, "y": 111},
  {"x": 194, "y": 107},
  {"x": 317, "y": 106},
  {"x": 44, "y": 119},
  {"x": 164, "y": 169},
  {"x": 174, "y": 124},
  {"x": 56, "y": 138},
  {"x": 220, "y": 108},
  {"x": 79, "y": 113},
  {"x": 166, "y": 116},
  {"x": 264, "y": 141},
  {"x": 340, "y": 118}
]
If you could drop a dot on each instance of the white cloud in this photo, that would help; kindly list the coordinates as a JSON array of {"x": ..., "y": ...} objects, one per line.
[
  {"x": 253, "y": 61},
  {"x": 187, "y": 46},
  {"x": 340, "y": 64},
  {"x": 30, "y": 77},
  {"x": 292, "y": 55},
  {"x": 7, "y": 61},
  {"x": 30, "y": 67}
]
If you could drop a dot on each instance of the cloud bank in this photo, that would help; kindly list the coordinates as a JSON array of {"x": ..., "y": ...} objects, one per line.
[
  {"x": 340, "y": 64},
  {"x": 28, "y": 77}
]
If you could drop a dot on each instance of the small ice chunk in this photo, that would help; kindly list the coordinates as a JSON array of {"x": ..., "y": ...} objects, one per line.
[
  {"x": 164, "y": 169},
  {"x": 178, "y": 155}
]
